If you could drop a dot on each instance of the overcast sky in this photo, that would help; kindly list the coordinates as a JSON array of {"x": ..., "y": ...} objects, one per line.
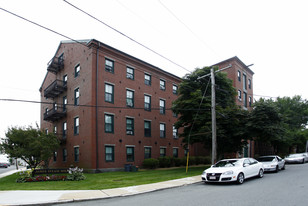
[{"x": 271, "y": 34}]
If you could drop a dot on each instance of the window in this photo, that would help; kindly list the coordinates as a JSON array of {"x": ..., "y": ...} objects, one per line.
[
  {"x": 64, "y": 155},
  {"x": 109, "y": 93},
  {"x": 77, "y": 70},
  {"x": 245, "y": 99},
  {"x": 76, "y": 96},
  {"x": 129, "y": 126},
  {"x": 244, "y": 82},
  {"x": 162, "y": 84},
  {"x": 175, "y": 89},
  {"x": 65, "y": 80},
  {"x": 175, "y": 132},
  {"x": 147, "y": 152},
  {"x": 239, "y": 95},
  {"x": 130, "y": 154},
  {"x": 249, "y": 83},
  {"x": 174, "y": 114},
  {"x": 76, "y": 154},
  {"x": 147, "y": 79},
  {"x": 162, "y": 106},
  {"x": 109, "y": 123},
  {"x": 129, "y": 98},
  {"x": 175, "y": 152},
  {"x": 64, "y": 103},
  {"x": 46, "y": 131},
  {"x": 109, "y": 65},
  {"x": 55, "y": 129},
  {"x": 162, "y": 130},
  {"x": 130, "y": 73},
  {"x": 76, "y": 125},
  {"x": 147, "y": 128},
  {"x": 64, "y": 130},
  {"x": 147, "y": 102},
  {"x": 162, "y": 152},
  {"x": 109, "y": 153},
  {"x": 55, "y": 156},
  {"x": 239, "y": 75},
  {"x": 250, "y": 101}
]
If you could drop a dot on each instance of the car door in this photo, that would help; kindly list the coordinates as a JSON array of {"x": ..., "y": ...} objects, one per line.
[
  {"x": 247, "y": 168},
  {"x": 280, "y": 162},
  {"x": 255, "y": 167}
]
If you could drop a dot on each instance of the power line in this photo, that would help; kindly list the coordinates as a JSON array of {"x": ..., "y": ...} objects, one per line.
[
  {"x": 93, "y": 17},
  {"x": 193, "y": 33}
]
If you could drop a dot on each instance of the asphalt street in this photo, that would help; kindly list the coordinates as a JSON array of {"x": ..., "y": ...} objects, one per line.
[{"x": 288, "y": 187}]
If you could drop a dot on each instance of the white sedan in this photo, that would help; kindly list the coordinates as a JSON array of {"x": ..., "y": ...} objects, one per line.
[{"x": 236, "y": 170}]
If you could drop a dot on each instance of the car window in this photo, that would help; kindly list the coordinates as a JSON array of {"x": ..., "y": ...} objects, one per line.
[
  {"x": 246, "y": 161},
  {"x": 265, "y": 159},
  {"x": 253, "y": 161},
  {"x": 226, "y": 163}
]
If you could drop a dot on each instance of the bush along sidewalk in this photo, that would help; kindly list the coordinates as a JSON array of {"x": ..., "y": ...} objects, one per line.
[{"x": 74, "y": 174}]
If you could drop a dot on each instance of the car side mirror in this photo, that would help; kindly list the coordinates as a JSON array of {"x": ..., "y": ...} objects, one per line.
[{"x": 246, "y": 164}]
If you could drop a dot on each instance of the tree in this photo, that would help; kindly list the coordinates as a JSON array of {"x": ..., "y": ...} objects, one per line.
[
  {"x": 32, "y": 145},
  {"x": 230, "y": 118}
]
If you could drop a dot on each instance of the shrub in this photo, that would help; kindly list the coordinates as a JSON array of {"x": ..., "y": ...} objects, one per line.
[
  {"x": 75, "y": 174},
  {"x": 192, "y": 160},
  {"x": 150, "y": 163},
  {"x": 206, "y": 160},
  {"x": 23, "y": 175},
  {"x": 177, "y": 162},
  {"x": 164, "y": 161}
]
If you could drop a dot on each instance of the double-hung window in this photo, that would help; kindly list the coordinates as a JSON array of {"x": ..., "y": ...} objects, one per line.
[
  {"x": 239, "y": 75},
  {"x": 239, "y": 95},
  {"x": 175, "y": 89},
  {"x": 162, "y": 130},
  {"x": 64, "y": 103},
  {"x": 162, "y": 152},
  {"x": 162, "y": 106},
  {"x": 76, "y": 125},
  {"x": 130, "y": 73},
  {"x": 245, "y": 99},
  {"x": 109, "y": 125},
  {"x": 244, "y": 82},
  {"x": 109, "y": 153},
  {"x": 109, "y": 93},
  {"x": 130, "y": 154},
  {"x": 76, "y": 96},
  {"x": 147, "y": 128},
  {"x": 249, "y": 83},
  {"x": 64, "y": 155},
  {"x": 76, "y": 154},
  {"x": 109, "y": 65},
  {"x": 65, "y": 80},
  {"x": 175, "y": 152},
  {"x": 129, "y": 98},
  {"x": 77, "y": 70},
  {"x": 250, "y": 101},
  {"x": 147, "y": 79},
  {"x": 147, "y": 152},
  {"x": 175, "y": 132},
  {"x": 64, "y": 130},
  {"x": 129, "y": 126},
  {"x": 162, "y": 84},
  {"x": 147, "y": 102}
]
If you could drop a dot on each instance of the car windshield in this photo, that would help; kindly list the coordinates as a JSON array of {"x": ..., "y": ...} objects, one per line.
[
  {"x": 227, "y": 163},
  {"x": 266, "y": 159},
  {"x": 295, "y": 155}
]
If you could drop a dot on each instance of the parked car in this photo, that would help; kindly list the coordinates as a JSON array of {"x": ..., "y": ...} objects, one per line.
[
  {"x": 3, "y": 165},
  {"x": 272, "y": 163},
  {"x": 296, "y": 158},
  {"x": 233, "y": 170}
]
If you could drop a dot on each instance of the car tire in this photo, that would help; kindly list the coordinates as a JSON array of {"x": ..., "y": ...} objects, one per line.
[
  {"x": 277, "y": 169},
  {"x": 261, "y": 173},
  {"x": 303, "y": 161},
  {"x": 240, "y": 178},
  {"x": 283, "y": 167}
]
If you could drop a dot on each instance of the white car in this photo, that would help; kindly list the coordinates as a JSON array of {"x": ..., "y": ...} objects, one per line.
[
  {"x": 233, "y": 170},
  {"x": 272, "y": 163}
]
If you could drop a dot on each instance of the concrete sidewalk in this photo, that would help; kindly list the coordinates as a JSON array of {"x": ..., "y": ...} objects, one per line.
[{"x": 35, "y": 197}]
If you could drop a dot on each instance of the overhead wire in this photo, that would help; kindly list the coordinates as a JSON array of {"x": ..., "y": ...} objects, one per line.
[{"x": 144, "y": 46}]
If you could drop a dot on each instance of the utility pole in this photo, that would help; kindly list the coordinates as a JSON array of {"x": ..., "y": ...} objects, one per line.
[{"x": 213, "y": 109}]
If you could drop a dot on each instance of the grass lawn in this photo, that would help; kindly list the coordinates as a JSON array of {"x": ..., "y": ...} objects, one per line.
[{"x": 105, "y": 180}]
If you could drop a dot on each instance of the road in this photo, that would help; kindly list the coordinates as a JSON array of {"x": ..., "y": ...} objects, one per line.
[
  {"x": 4, "y": 170},
  {"x": 288, "y": 187}
]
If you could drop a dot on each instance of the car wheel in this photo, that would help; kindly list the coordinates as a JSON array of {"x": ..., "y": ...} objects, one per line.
[
  {"x": 303, "y": 161},
  {"x": 284, "y": 167},
  {"x": 261, "y": 173},
  {"x": 277, "y": 169},
  {"x": 240, "y": 178}
]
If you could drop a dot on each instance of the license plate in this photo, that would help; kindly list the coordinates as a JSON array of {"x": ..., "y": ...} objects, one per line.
[{"x": 212, "y": 178}]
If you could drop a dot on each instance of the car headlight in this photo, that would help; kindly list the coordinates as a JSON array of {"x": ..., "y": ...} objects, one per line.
[{"x": 228, "y": 173}]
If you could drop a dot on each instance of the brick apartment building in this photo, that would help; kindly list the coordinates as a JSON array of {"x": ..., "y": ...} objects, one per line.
[
  {"x": 108, "y": 108},
  {"x": 242, "y": 77}
]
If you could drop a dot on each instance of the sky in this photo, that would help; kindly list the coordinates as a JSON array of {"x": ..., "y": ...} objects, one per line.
[{"x": 272, "y": 35}]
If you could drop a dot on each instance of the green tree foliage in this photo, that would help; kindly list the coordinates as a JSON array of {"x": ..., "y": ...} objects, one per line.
[
  {"x": 32, "y": 145},
  {"x": 230, "y": 119}
]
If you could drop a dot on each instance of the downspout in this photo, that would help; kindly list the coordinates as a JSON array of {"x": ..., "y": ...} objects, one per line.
[{"x": 96, "y": 109}]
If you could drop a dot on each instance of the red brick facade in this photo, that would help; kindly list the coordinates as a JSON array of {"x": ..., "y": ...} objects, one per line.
[{"x": 97, "y": 135}]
